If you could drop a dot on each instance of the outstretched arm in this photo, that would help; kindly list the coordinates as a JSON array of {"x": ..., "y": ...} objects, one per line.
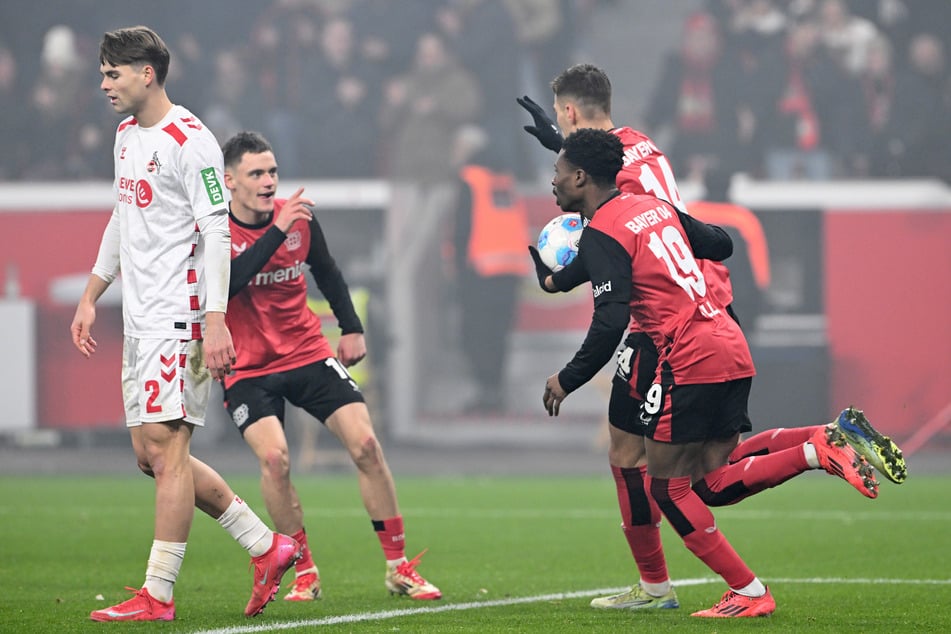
[{"x": 352, "y": 347}]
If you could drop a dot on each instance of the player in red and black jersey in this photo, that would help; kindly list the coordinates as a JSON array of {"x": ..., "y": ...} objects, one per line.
[
  {"x": 583, "y": 100},
  {"x": 640, "y": 254},
  {"x": 282, "y": 354}
]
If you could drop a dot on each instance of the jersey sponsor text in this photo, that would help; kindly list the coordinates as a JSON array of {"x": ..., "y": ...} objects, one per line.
[
  {"x": 212, "y": 186},
  {"x": 649, "y": 218},
  {"x": 280, "y": 275},
  {"x": 603, "y": 287},
  {"x": 638, "y": 152}
]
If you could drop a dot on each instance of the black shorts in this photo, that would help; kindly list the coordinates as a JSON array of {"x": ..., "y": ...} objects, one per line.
[
  {"x": 636, "y": 368},
  {"x": 320, "y": 389},
  {"x": 680, "y": 414}
]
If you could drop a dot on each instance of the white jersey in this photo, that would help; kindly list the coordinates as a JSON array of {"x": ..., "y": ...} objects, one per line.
[{"x": 167, "y": 178}]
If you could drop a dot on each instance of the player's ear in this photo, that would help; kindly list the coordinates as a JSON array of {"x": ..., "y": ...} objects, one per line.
[
  {"x": 581, "y": 177},
  {"x": 572, "y": 114},
  {"x": 229, "y": 179}
]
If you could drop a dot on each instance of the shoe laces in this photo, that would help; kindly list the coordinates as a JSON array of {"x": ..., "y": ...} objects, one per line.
[
  {"x": 305, "y": 580},
  {"x": 727, "y": 597},
  {"x": 141, "y": 593},
  {"x": 408, "y": 568}
]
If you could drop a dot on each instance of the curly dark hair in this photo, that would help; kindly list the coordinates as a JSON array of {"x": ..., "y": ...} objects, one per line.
[
  {"x": 136, "y": 46},
  {"x": 585, "y": 84},
  {"x": 244, "y": 143},
  {"x": 597, "y": 152}
]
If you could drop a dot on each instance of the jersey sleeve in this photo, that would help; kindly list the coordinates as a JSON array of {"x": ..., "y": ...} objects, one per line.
[
  {"x": 107, "y": 260},
  {"x": 330, "y": 280},
  {"x": 708, "y": 242},
  {"x": 249, "y": 263},
  {"x": 202, "y": 168},
  {"x": 570, "y": 276},
  {"x": 216, "y": 233},
  {"x": 608, "y": 265}
]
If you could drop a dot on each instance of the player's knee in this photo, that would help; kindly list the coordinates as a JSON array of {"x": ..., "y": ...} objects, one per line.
[
  {"x": 145, "y": 467},
  {"x": 276, "y": 463},
  {"x": 367, "y": 454}
]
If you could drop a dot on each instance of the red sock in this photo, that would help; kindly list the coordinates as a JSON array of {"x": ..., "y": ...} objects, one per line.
[
  {"x": 640, "y": 522},
  {"x": 694, "y": 522},
  {"x": 772, "y": 440},
  {"x": 306, "y": 562},
  {"x": 391, "y": 536},
  {"x": 734, "y": 482}
]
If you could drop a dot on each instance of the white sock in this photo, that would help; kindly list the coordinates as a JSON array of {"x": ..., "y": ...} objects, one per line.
[
  {"x": 393, "y": 563},
  {"x": 246, "y": 527},
  {"x": 754, "y": 589},
  {"x": 656, "y": 589},
  {"x": 811, "y": 458},
  {"x": 165, "y": 561}
]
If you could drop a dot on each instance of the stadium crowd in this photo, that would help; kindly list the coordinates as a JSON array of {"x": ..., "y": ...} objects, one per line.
[{"x": 376, "y": 88}]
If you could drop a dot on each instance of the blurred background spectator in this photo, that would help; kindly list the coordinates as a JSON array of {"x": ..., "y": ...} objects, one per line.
[
  {"x": 765, "y": 87},
  {"x": 422, "y": 111},
  {"x": 13, "y": 123},
  {"x": 694, "y": 98},
  {"x": 73, "y": 143},
  {"x": 921, "y": 104},
  {"x": 339, "y": 134}
]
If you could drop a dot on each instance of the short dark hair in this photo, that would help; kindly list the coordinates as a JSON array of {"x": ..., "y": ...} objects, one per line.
[
  {"x": 244, "y": 143},
  {"x": 585, "y": 84},
  {"x": 597, "y": 152},
  {"x": 135, "y": 45}
]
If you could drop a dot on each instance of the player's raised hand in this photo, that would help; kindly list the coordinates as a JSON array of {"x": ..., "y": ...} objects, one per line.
[
  {"x": 544, "y": 129},
  {"x": 295, "y": 208},
  {"x": 82, "y": 324},
  {"x": 351, "y": 349}
]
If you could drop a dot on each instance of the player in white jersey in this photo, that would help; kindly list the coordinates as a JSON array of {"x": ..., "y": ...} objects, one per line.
[
  {"x": 169, "y": 237},
  {"x": 167, "y": 185}
]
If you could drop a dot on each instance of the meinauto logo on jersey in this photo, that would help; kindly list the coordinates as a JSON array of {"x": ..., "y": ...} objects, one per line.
[{"x": 212, "y": 186}]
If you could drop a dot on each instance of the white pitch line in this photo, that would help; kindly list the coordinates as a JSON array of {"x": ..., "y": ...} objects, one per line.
[{"x": 492, "y": 603}]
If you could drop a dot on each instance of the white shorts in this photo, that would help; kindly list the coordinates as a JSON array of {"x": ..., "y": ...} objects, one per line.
[{"x": 164, "y": 380}]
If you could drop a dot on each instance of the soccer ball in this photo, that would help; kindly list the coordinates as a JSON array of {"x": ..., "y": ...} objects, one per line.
[{"x": 558, "y": 241}]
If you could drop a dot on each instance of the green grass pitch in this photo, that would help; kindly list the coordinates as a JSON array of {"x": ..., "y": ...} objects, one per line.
[{"x": 510, "y": 555}]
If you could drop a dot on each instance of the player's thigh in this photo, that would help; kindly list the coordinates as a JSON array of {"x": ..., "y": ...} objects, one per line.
[
  {"x": 161, "y": 445},
  {"x": 626, "y": 449},
  {"x": 256, "y": 399},
  {"x": 352, "y": 426},
  {"x": 716, "y": 453},
  {"x": 322, "y": 388},
  {"x": 670, "y": 460},
  {"x": 267, "y": 439},
  {"x": 164, "y": 380}
]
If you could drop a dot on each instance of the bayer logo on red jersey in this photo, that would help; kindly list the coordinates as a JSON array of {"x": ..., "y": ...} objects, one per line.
[{"x": 558, "y": 240}]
